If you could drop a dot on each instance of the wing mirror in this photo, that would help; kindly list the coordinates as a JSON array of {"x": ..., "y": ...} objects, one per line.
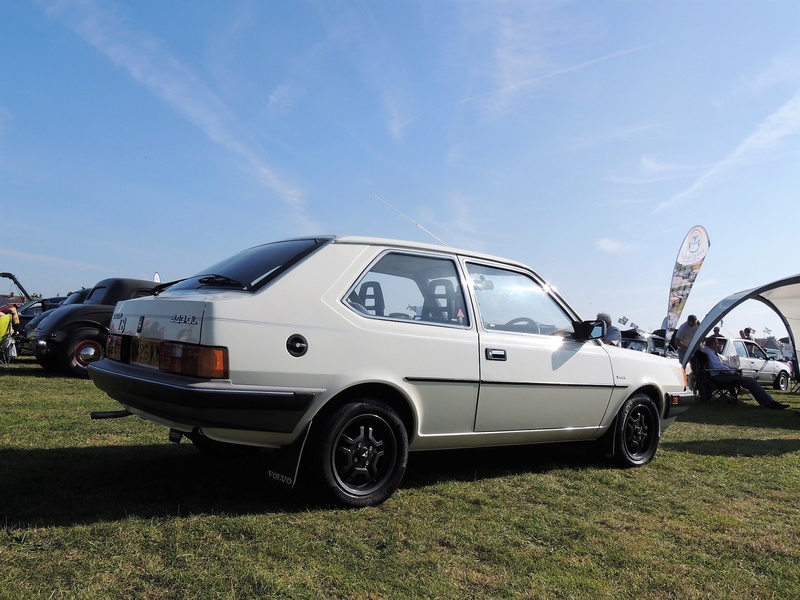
[{"x": 588, "y": 330}]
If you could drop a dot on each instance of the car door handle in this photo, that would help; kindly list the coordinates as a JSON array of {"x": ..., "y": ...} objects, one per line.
[{"x": 495, "y": 354}]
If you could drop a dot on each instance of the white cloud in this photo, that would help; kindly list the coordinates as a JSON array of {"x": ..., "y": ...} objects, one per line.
[
  {"x": 397, "y": 120},
  {"x": 281, "y": 100},
  {"x": 154, "y": 67},
  {"x": 53, "y": 260},
  {"x": 611, "y": 246},
  {"x": 651, "y": 165},
  {"x": 652, "y": 170},
  {"x": 519, "y": 67},
  {"x": 778, "y": 126},
  {"x": 784, "y": 68}
]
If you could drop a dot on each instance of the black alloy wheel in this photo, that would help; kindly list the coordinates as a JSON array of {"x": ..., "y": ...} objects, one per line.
[
  {"x": 361, "y": 454},
  {"x": 638, "y": 431}
]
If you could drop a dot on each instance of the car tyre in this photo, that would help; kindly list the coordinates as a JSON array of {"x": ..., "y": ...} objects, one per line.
[
  {"x": 781, "y": 381},
  {"x": 83, "y": 347},
  {"x": 360, "y": 455},
  {"x": 637, "y": 432}
]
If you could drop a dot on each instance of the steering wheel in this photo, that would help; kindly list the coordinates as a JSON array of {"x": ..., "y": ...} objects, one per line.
[{"x": 526, "y": 322}]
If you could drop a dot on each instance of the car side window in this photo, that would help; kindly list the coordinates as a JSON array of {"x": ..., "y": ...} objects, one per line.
[
  {"x": 740, "y": 349},
  {"x": 411, "y": 287},
  {"x": 513, "y": 301}
]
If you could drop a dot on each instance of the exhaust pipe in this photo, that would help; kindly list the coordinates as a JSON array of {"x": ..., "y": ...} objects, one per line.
[{"x": 110, "y": 414}]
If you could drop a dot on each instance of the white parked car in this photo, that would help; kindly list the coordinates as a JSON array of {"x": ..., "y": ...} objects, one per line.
[
  {"x": 754, "y": 362},
  {"x": 342, "y": 354}
]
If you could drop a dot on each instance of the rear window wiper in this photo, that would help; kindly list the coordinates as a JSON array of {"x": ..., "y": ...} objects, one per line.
[
  {"x": 221, "y": 280},
  {"x": 162, "y": 286}
]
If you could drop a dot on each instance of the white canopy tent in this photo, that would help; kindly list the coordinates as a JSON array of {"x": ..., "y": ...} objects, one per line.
[{"x": 782, "y": 296}]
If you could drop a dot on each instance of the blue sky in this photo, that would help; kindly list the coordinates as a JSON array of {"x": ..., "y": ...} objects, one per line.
[{"x": 582, "y": 138}]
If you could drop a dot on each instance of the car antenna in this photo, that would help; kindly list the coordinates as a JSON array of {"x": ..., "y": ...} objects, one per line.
[{"x": 412, "y": 220}]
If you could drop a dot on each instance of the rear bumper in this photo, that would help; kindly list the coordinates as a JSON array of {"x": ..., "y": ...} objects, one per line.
[
  {"x": 678, "y": 403},
  {"x": 202, "y": 402}
]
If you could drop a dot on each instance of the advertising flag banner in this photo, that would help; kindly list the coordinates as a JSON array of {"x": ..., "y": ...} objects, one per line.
[{"x": 690, "y": 258}]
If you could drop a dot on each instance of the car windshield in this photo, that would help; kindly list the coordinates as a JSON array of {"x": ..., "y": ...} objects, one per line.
[
  {"x": 254, "y": 268},
  {"x": 28, "y": 304}
]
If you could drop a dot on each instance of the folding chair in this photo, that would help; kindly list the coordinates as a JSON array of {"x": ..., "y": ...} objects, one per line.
[
  {"x": 705, "y": 388},
  {"x": 8, "y": 348},
  {"x": 795, "y": 377}
]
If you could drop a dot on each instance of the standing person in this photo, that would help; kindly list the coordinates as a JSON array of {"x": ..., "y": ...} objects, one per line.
[
  {"x": 613, "y": 335},
  {"x": 723, "y": 373},
  {"x": 684, "y": 335},
  {"x": 747, "y": 333}
]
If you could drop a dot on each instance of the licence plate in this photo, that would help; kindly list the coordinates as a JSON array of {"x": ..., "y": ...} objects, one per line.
[{"x": 144, "y": 352}]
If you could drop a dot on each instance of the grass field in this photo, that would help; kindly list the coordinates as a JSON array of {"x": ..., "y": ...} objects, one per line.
[{"x": 110, "y": 509}]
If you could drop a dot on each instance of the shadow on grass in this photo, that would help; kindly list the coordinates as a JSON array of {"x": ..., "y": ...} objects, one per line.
[
  {"x": 744, "y": 414},
  {"x": 41, "y": 487},
  {"x": 430, "y": 467},
  {"x": 729, "y": 420},
  {"x": 46, "y": 487},
  {"x": 736, "y": 447},
  {"x": 26, "y": 366},
  {"x": 65, "y": 486}
]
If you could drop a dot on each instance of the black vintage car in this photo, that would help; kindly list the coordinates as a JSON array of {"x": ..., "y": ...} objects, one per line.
[{"x": 71, "y": 336}]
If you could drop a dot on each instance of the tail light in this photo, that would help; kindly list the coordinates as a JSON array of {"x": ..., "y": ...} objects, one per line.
[{"x": 208, "y": 362}]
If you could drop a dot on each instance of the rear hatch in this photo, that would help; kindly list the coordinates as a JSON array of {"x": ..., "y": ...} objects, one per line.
[
  {"x": 149, "y": 321},
  {"x": 160, "y": 318}
]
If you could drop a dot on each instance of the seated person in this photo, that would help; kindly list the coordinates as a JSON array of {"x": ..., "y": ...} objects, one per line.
[
  {"x": 722, "y": 373},
  {"x": 12, "y": 310}
]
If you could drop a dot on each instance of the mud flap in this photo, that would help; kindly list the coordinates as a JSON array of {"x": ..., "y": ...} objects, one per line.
[
  {"x": 607, "y": 442},
  {"x": 283, "y": 465}
]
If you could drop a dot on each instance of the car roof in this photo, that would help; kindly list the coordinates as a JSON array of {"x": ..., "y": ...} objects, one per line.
[
  {"x": 119, "y": 286},
  {"x": 411, "y": 245}
]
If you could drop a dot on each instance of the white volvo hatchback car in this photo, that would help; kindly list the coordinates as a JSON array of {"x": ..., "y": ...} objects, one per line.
[{"x": 342, "y": 354}]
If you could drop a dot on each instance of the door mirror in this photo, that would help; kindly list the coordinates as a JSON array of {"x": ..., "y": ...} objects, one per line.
[{"x": 588, "y": 330}]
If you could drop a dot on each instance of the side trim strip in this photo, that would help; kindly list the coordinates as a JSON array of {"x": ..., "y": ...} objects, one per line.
[{"x": 514, "y": 383}]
